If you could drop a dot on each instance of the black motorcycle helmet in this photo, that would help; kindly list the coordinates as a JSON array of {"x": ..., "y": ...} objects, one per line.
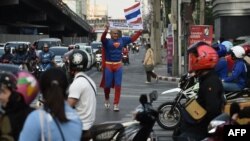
[
  {"x": 21, "y": 48},
  {"x": 77, "y": 47},
  {"x": 78, "y": 60},
  {"x": 7, "y": 49},
  {"x": 8, "y": 80}
]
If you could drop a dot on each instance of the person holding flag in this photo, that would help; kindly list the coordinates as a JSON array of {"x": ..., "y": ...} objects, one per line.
[{"x": 112, "y": 56}]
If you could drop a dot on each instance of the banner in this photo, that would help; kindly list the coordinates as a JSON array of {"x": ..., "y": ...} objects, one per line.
[
  {"x": 170, "y": 53},
  {"x": 200, "y": 33},
  {"x": 125, "y": 26}
]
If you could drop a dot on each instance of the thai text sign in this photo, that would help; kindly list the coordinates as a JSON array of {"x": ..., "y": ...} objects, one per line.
[{"x": 200, "y": 33}]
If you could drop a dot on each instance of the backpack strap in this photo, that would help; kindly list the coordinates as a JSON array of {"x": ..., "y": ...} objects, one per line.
[{"x": 89, "y": 82}]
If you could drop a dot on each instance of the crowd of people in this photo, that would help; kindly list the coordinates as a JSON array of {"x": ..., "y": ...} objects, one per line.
[{"x": 220, "y": 68}]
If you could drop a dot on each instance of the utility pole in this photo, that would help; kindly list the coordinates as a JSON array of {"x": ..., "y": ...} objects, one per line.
[
  {"x": 155, "y": 38},
  {"x": 202, "y": 12},
  {"x": 175, "y": 35},
  {"x": 179, "y": 39}
]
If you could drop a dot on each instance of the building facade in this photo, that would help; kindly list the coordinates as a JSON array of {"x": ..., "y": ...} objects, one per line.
[{"x": 232, "y": 18}]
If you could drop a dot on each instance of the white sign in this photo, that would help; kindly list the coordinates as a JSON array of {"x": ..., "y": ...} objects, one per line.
[{"x": 125, "y": 26}]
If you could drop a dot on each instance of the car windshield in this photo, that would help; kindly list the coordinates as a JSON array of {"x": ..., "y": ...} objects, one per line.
[
  {"x": 13, "y": 44},
  {"x": 59, "y": 51}
]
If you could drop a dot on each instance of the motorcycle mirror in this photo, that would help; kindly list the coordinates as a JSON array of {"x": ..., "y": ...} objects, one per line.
[
  {"x": 143, "y": 99},
  {"x": 153, "y": 96}
]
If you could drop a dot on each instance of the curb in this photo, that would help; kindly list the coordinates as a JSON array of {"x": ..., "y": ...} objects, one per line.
[{"x": 165, "y": 78}]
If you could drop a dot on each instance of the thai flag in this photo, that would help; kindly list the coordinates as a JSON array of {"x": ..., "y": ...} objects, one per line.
[{"x": 133, "y": 14}]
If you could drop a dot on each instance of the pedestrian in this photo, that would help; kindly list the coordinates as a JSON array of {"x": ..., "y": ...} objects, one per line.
[
  {"x": 112, "y": 63},
  {"x": 237, "y": 81},
  {"x": 56, "y": 120},
  {"x": 202, "y": 60},
  {"x": 82, "y": 91},
  {"x": 17, "y": 91},
  {"x": 148, "y": 63}
]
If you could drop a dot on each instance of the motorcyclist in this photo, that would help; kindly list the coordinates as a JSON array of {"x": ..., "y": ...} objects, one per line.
[
  {"x": 230, "y": 62},
  {"x": 46, "y": 57},
  {"x": 237, "y": 80},
  {"x": 32, "y": 57},
  {"x": 221, "y": 67},
  {"x": 202, "y": 60},
  {"x": 21, "y": 56},
  {"x": 7, "y": 56},
  {"x": 125, "y": 52}
]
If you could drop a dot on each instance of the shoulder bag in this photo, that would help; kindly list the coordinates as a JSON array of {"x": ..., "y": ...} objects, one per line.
[{"x": 194, "y": 109}]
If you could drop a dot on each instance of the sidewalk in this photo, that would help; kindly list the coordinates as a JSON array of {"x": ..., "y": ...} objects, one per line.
[{"x": 161, "y": 70}]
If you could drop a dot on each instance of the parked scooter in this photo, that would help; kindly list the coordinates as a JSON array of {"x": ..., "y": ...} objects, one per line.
[{"x": 140, "y": 129}]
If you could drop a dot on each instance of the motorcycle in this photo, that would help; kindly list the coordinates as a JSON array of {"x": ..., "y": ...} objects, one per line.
[
  {"x": 98, "y": 59},
  {"x": 170, "y": 111},
  {"x": 140, "y": 129},
  {"x": 137, "y": 49},
  {"x": 125, "y": 59},
  {"x": 170, "y": 114}
]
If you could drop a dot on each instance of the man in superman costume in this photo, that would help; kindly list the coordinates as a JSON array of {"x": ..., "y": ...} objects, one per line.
[{"x": 112, "y": 63}]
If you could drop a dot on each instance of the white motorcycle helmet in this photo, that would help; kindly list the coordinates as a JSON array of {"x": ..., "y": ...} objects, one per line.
[{"x": 238, "y": 51}]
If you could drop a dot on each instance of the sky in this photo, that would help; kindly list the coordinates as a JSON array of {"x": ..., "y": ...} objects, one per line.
[{"x": 116, "y": 7}]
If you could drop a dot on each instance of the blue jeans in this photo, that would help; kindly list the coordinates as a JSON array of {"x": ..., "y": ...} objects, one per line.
[
  {"x": 46, "y": 66},
  {"x": 231, "y": 87}
]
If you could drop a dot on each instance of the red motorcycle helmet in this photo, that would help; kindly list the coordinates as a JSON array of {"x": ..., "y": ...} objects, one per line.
[{"x": 201, "y": 57}]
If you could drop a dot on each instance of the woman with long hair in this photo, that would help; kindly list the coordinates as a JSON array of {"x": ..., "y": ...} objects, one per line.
[{"x": 56, "y": 120}]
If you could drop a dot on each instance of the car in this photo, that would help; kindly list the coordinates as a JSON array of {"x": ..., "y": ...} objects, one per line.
[
  {"x": 14, "y": 44},
  {"x": 59, "y": 51},
  {"x": 96, "y": 46},
  {"x": 2, "y": 44},
  {"x": 50, "y": 41},
  {"x": 9, "y": 68}
]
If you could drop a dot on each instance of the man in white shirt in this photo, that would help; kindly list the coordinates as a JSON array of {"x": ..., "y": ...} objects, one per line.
[{"x": 82, "y": 91}]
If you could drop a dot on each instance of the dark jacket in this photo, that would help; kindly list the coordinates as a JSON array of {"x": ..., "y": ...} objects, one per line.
[
  {"x": 11, "y": 123},
  {"x": 210, "y": 97},
  {"x": 20, "y": 58},
  {"x": 6, "y": 58}
]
